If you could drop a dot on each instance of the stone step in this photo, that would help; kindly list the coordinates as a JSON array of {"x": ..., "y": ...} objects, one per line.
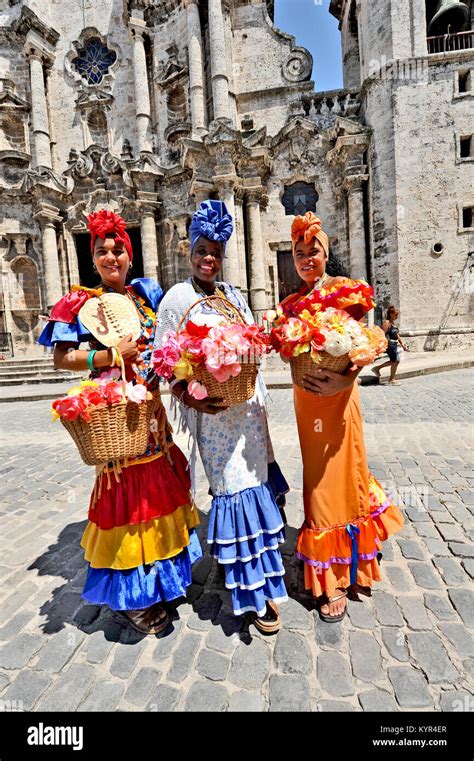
[
  {"x": 38, "y": 380},
  {"x": 22, "y": 363},
  {"x": 38, "y": 373}
]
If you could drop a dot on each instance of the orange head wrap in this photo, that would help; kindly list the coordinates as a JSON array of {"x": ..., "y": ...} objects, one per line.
[{"x": 308, "y": 227}]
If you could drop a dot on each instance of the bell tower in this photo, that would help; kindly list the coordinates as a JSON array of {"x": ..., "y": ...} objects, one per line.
[{"x": 413, "y": 62}]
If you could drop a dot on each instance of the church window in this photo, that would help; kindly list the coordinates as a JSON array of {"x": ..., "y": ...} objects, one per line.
[
  {"x": 299, "y": 198},
  {"x": 464, "y": 81},
  {"x": 468, "y": 217},
  {"x": 93, "y": 61},
  {"x": 465, "y": 147},
  {"x": 97, "y": 123},
  {"x": 177, "y": 110}
]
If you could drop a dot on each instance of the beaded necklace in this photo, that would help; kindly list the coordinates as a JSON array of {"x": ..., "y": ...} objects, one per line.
[
  {"x": 147, "y": 322},
  {"x": 220, "y": 307}
]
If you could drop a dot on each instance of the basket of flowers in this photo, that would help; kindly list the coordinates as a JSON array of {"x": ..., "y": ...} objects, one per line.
[
  {"x": 218, "y": 360},
  {"x": 319, "y": 332},
  {"x": 108, "y": 419}
]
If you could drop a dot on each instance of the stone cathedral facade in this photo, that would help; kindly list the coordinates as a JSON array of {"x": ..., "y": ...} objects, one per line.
[{"x": 148, "y": 107}]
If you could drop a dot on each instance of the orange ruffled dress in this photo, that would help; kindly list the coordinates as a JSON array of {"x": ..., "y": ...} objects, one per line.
[{"x": 347, "y": 513}]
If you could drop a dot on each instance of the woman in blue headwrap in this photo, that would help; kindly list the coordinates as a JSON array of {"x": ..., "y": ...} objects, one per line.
[{"x": 245, "y": 524}]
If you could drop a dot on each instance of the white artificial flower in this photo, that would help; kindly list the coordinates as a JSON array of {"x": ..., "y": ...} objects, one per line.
[{"x": 337, "y": 344}]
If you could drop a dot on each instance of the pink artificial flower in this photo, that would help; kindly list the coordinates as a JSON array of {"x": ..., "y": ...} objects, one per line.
[
  {"x": 112, "y": 374},
  {"x": 166, "y": 358},
  {"x": 197, "y": 390},
  {"x": 136, "y": 392},
  {"x": 225, "y": 372},
  {"x": 113, "y": 392}
]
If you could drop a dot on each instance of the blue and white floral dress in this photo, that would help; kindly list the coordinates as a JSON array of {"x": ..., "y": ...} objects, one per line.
[{"x": 245, "y": 525}]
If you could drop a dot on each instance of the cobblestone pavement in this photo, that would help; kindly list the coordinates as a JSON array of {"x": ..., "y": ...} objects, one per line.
[{"x": 410, "y": 646}]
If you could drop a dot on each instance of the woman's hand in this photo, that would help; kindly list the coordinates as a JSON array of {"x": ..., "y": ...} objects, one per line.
[
  {"x": 328, "y": 383},
  {"x": 128, "y": 349},
  {"x": 209, "y": 405}
]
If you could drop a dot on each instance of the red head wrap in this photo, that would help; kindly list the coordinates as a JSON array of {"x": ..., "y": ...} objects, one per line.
[{"x": 105, "y": 222}]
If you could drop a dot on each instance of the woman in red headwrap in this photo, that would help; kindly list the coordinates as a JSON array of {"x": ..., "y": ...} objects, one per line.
[
  {"x": 140, "y": 540},
  {"x": 347, "y": 514}
]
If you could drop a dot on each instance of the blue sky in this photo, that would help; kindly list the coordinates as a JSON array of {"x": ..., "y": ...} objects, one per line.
[{"x": 315, "y": 29}]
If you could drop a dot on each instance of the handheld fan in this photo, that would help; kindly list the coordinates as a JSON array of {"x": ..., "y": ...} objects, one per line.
[{"x": 110, "y": 317}]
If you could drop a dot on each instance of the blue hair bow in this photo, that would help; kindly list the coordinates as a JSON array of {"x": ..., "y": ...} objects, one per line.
[{"x": 211, "y": 221}]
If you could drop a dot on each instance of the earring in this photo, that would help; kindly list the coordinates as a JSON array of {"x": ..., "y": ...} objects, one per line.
[
  {"x": 130, "y": 266},
  {"x": 94, "y": 267}
]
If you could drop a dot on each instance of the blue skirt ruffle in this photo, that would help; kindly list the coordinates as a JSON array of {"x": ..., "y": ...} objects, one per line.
[
  {"x": 146, "y": 585},
  {"x": 277, "y": 483},
  {"x": 244, "y": 532}
]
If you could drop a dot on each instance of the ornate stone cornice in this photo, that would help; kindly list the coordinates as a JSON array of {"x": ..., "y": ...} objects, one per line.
[
  {"x": 9, "y": 100},
  {"x": 46, "y": 178},
  {"x": 46, "y": 213},
  {"x": 354, "y": 182},
  {"x": 29, "y": 21}
]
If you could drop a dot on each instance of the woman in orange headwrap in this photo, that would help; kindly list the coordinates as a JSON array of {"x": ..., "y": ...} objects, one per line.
[{"x": 347, "y": 513}]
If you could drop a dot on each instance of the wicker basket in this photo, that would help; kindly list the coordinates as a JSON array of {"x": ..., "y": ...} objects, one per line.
[
  {"x": 114, "y": 431},
  {"x": 235, "y": 390},
  {"x": 304, "y": 365}
]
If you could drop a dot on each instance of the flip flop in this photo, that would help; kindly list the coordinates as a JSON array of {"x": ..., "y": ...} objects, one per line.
[
  {"x": 137, "y": 619},
  {"x": 332, "y": 619},
  {"x": 268, "y": 623}
]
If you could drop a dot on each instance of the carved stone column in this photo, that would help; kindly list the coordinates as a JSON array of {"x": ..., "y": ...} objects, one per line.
[
  {"x": 220, "y": 80},
  {"x": 142, "y": 95},
  {"x": 39, "y": 110},
  {"x": 196, "y": 68},
  {"x": 71, "y": 254},
  {"x": 48, "y": 217},
  {"x": 353, "y": 185},
  {"x": 225, "y": 185},
  {"x": 239, "y": 195},
  {"x": 258, "y": 295},
  {"x": 149, "y": 242}
]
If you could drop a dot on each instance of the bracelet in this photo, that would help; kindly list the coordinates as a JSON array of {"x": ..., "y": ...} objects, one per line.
[
  {"x": 115, "y": 357},
  {"x": 90, "y": 359}
]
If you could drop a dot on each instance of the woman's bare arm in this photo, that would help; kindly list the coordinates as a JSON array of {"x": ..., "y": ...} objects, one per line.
[{"x": 68, "y": 357}]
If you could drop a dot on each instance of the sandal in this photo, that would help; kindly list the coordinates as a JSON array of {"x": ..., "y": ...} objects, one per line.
[
  {"x": 332, "y": 619},
  {"x": 270, "y": 622},
  {"x": 148, "y": 620}
]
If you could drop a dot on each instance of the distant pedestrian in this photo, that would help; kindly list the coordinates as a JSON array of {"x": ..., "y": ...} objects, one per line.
[{"x": 392, "y": 331}]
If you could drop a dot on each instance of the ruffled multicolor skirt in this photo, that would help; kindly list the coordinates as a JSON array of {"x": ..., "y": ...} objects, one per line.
[{"x": 140, "y": 541}]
